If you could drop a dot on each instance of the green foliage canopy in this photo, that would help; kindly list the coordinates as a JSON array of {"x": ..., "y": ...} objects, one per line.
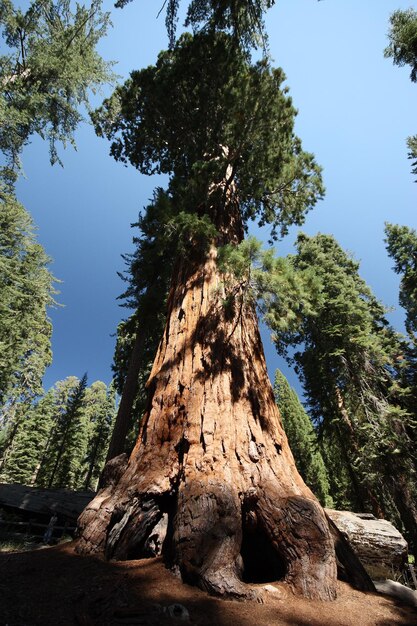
[
  {"x": 302, "y": 439},
  {"x": 48, "y": 66},
  {"x": 242, "y": 18},
  {"x": 204, "y": 115},
  {"x": 349, "y": 361},
  {"x": 25, "y": 293},
  {"x": 345, "y": 334},
  {"x": 402, "y": 247},
  {"x": 402, "y": 49}
]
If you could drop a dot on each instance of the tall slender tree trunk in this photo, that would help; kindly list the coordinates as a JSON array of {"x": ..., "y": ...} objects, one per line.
[
  {"x": 93, "y": 459},
  {"x": 212, "y": 457},
  {"x": 123, "y": 420}
]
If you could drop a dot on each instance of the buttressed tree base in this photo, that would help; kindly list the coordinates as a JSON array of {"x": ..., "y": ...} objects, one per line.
[
  {"x": 212, "y": 463},
  {"x": 213, "y": 457},
  {"x": 212, "y": 471}
]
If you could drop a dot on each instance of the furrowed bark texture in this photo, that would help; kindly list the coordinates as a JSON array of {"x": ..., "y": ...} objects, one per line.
[{"x": 212, "y": 457}]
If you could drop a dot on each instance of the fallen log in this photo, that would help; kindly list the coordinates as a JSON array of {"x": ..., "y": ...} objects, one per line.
[
  {"x": 378, "y": 544},
  {"x": 67, "y": 504}
]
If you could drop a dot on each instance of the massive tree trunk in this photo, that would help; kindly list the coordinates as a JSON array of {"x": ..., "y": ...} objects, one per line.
[{"x": 212, "y": 463}]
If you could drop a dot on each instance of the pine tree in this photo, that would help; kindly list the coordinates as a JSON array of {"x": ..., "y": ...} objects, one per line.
[
  {"x": 99, "y": 413},
  {"x": 61, "y": 439},
  {"x": 347, "y": 360},
  {"x": 49, "y": 68},
  {"x": 66, "y": 447},
  {"x": 71, "y": 435},
  {"x": 25, "y": 293},
  {"x": 402, "y": 247},
  {"x": 302, "y": 439},
  {"x": 403, "y": 51},
  {"x": 25, "y": 451}
]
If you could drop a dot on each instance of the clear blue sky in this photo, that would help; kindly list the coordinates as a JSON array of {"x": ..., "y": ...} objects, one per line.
[{"x": 355, "y": 111}]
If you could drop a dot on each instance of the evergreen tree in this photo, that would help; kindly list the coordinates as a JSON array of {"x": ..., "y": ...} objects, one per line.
[
  {"x": 243, "y": 19},
  {"x": 302, "y": 439},
  {"x": 211, "y": 453},
  {"x": 348, "y": 366},
  {"x": 207, "y": 77},
  {"x": 61, "y": 439},
  {"x": 402, "y": 36},
  {"x": 66, "y": 446},
  {"x": 48, "y": 66},
  {"x": 99, "y": 414},
  {"x": 70, "y": 440},
  {"x": 47, "y": 69},
  {"x": 402, "y": 247},
  {"x": 25, "y": 293},
  {"x": 25, "y": 452},
  {"x": 402, "y": 49}
]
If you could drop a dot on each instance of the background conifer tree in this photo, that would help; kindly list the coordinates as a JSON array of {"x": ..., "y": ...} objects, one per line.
[
  {"x": 67, "y": 443},
  {"x": 48, "y": 67},
  {"x": 402, "y": 49},
  {"x": 25, "y": 452},
  {"x": 402, "y": 248},
  {"x": 99, "y": 414},
  {"x": 26, "y": 291},
  {"x": 347, "y": 358},
  {"x": 61, "y": 438},
  {"x": 302, "y": 439}
]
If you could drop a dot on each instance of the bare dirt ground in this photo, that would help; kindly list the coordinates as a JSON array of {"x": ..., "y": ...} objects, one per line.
[{"x": 55, "y": 586}]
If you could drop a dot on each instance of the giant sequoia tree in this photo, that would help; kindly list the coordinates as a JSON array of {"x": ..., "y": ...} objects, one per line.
[{"x": 212, "y": 461}]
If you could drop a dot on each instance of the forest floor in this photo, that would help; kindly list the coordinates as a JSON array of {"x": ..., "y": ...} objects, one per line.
[{"x": 55, "y": 586}]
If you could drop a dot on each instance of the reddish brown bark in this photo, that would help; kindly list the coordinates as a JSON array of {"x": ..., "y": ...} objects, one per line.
[
  {"x": 211, "y": 446},
  {"x": 212, "y": 457}
]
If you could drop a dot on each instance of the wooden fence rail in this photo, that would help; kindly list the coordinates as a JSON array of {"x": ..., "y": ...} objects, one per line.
[{"x": 30, "y": 525}]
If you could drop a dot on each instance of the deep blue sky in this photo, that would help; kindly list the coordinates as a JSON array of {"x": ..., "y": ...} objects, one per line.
[{"x": 355, "y": 111}]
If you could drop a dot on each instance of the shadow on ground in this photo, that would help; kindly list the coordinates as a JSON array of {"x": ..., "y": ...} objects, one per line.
[{"x": 55, "y": 586}]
